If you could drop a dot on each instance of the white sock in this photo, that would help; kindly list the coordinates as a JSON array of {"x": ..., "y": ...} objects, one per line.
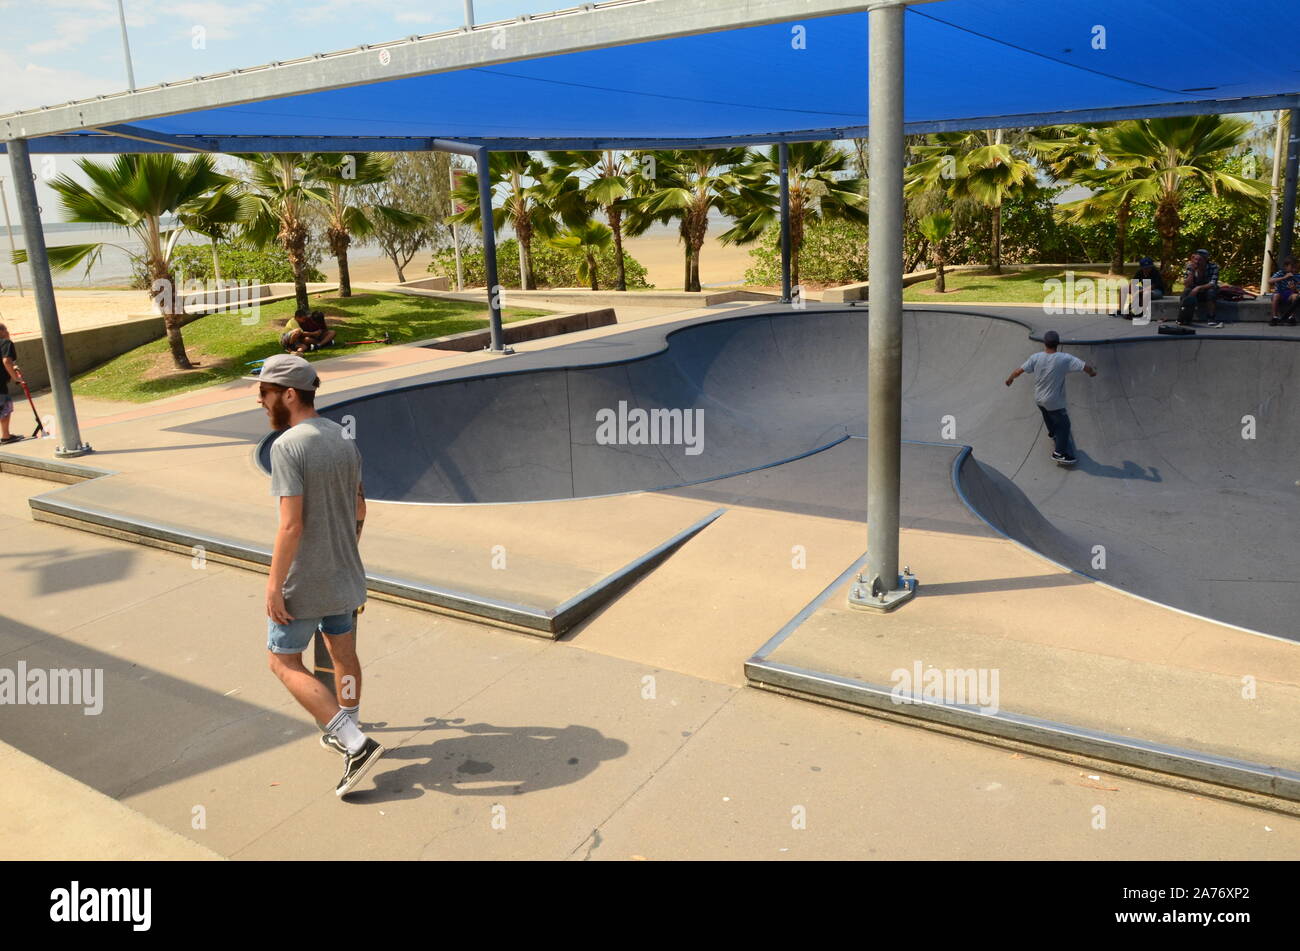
[
  {"x": 354, "y": 713},
  {"x": 348, "y": 732}
]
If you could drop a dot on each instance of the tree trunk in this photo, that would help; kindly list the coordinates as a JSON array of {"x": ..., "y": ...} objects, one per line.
[
  {"x": 686, "y": 281},
  {"x": 920, "y": 254},
  {"x": 216, "y": 264},
  {"x": 293, "y": 235},
  {"x": 616, "y": 225},
  {"x": 995, "y": 266},
  {"x": 175, "y": 342},
  {"x": 591, "y": 266},
  {"x": 401, "y": 278},
  {"x": 939, "y": 286},
  {"x": 339, "y": 240},
  {"x": 172, "y": 310},
  {"x": 1121, "y": 236},
  {"x": 796, "y": 245},
  {"x": 1167, "y": 223}
]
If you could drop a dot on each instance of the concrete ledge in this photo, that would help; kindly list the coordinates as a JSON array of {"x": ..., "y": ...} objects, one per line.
[
  {"x": 1051, "y": 737},
  {"x": 860, "y": 291},
  {"x": 532, "y": 329},
  {"x": 585, "y": 298},
  {"x": 429, "y": 284},
  {"x": 53, "y": 470},
  {"x": 545, "y": 621},
  {"x": 47, "y": 815},
  {"x": 1244, "y": 311}
]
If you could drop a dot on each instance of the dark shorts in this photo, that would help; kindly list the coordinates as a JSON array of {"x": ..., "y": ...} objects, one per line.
[{"x": 6, "y": 406}]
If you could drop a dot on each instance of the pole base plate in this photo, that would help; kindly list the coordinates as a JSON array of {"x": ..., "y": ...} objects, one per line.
[{"x": 861, "y": 595}]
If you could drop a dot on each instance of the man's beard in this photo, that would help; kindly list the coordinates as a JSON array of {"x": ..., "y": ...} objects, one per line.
[{"x": 279, "y": 415}]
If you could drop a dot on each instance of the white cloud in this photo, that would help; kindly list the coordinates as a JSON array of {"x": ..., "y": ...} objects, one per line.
[
  {"x": 30, "y": 85},
  {"x": 219, "y": 19}
]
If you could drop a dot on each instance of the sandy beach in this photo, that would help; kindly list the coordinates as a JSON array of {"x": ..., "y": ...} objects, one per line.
[{"x": 661, "y": 254}]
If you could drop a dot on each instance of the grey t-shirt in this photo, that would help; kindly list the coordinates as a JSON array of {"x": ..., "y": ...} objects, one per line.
[
  {"x": 315, "y": 460},
  {"x": 1049, "y": 370}
]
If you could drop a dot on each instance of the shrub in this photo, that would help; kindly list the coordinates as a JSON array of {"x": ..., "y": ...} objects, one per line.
[
  {"x": 834, "y": 252},
  {"x": 552, "y": 267},
  {"x": 239, "y": 262}
]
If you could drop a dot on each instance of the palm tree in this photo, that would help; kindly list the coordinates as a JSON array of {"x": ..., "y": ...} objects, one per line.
[
  {"x": 525, "y": 204},
  {"x": 1157, "y": 160},
  {"x": 343, "y": 218},
  {"x": 936, "y": 227},
  {"x": 136, "y": 192},
  {"x": 817, "y": 192},
  {"x": 687, "y": 184},
  {"x": 975, "y": 165},
  {"x": 279, "y": 191},
  {"x": 607, "y": 190},
  {"x": 216, "y": 218},
  {"x": 586, "y": 240},
  {"x": 1085, "y": 156}
]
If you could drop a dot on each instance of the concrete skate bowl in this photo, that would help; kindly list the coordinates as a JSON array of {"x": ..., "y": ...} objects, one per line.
[{"x": 1186, "y": 511}]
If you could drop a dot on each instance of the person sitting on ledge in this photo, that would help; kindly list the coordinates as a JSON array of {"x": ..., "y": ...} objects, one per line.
[
  {"x": 1147, "y": 271},
  {"x": 1200, "y": 283},
  {"x": 1286, "y": 293},
  {"x": 314, "y": 330}
]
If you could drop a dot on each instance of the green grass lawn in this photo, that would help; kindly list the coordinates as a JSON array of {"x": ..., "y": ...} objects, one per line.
[
  {"x": 1019, "y": 286},
  {"x": 222, "y": 346}
]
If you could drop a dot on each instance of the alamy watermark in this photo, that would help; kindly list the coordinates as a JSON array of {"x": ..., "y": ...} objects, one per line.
[
  {"x": 1093, "y": 295},
  {"x": 959, "y": 686},
  {"x": 77, "y": 903},
  {"x": 655, "y": 427},
  {"x": 57, "y": 686}
]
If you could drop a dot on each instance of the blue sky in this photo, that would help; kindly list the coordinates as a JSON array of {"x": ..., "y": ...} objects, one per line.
[{"x": 52, "y": 51}]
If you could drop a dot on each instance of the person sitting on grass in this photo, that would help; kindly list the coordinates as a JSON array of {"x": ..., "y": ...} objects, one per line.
[
  {"x": 315, "y": 332},
  {"x": 293, "y": 341},
  {"x": 1286, "y": 293},
  {"x": 1200, "y": 283},
  {"x": 1147, "y": 271}
]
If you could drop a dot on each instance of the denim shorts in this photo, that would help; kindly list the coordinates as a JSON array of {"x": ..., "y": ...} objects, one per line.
[{"x": 293, "y": 638}]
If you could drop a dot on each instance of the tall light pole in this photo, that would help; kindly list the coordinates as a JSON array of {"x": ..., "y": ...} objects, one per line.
[
  {"x": 1267, "y": 271},
  {"x": 9, "y": 230},
  {"x": 126, "y": 46}
]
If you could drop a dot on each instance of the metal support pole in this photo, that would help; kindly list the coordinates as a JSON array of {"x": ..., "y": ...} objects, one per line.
[
  {"x": 469, "y": 13},
  {"x": 126, "y": 46},
  {"x": 9, "y": 230},
  {"x": 56, "y": 360},
  {"x": 1269, "y": 265},
  {"x": 1288, "y": 193},
  {"x": 455, "y": 230},
  {"x": 490, "y": 250},
  {"x": 784, "y": 150},
  {"x": 880, "y": 586}
]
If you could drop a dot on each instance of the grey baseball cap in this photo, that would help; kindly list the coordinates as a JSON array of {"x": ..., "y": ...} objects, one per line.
[{"x": 287, "y": 369}]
